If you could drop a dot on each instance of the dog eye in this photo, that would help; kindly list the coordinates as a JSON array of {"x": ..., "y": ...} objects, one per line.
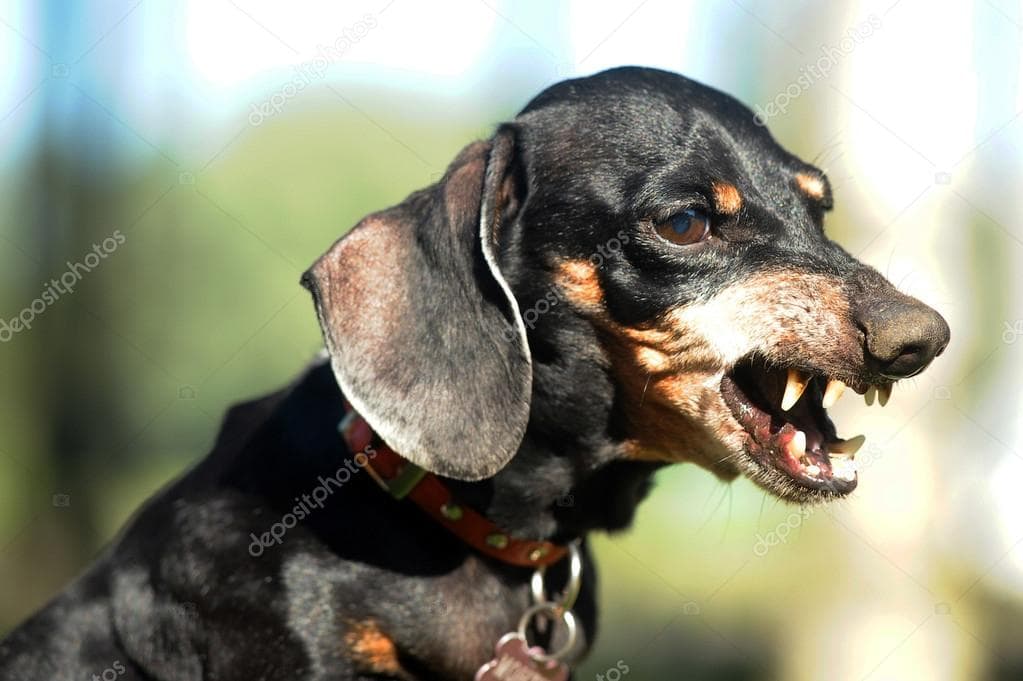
[{"x": 688, "y": 227}]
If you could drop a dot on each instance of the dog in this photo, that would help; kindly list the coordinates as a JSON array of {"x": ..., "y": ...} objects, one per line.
[{"x": 631, "y": 273}]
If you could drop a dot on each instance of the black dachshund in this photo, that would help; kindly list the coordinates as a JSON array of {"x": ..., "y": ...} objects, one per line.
[{"x": 631, "y": 273}]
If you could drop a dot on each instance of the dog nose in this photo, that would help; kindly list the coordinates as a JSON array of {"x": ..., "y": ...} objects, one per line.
[{"x": 902, "y": 335}]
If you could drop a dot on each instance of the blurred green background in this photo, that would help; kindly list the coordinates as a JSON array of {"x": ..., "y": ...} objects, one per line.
[{"x": 224, "y": 145}]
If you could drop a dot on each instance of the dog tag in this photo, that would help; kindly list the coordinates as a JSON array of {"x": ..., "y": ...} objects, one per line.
[{"x": 516, "y": 661}]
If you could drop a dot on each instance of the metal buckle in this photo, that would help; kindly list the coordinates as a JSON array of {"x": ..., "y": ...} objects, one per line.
[
  {"x": 575, "y": 579},
  {"x": 557, "y": 613}
]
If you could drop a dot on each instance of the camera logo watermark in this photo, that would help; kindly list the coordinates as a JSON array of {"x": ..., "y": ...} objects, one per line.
[
  {"x": 1012, "y": 331},
  {"x": 307, "y": 503},
  {"x": 313, "y": 70},
  {"x": 811, "y": 73},
  {"x": 61, "y": 286}
]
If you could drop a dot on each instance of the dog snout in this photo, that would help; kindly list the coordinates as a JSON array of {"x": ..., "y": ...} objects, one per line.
[{"x": 901, "y": 334}]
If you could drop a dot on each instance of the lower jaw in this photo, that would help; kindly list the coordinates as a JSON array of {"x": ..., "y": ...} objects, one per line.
[
  {"x": 767, "y": 449},
  {"x": 788, "y": 485}
]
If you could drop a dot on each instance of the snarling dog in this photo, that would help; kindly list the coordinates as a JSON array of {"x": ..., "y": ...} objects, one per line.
[{"x": 631, "y": 273}]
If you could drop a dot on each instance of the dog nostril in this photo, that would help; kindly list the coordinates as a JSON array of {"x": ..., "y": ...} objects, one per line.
[
  {"x": 912, "y": 360},
  {"x": 902, "y": 336},
  {"x": 911, "y": 351}
]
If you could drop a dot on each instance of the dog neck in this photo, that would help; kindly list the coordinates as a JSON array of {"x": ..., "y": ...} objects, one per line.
[
  {"x": 558, "y": 495},
  {"x": 563, "y": 482},
  {"x": 569, "y": 476}
]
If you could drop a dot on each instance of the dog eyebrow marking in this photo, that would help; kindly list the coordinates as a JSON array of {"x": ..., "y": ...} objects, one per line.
[
  {"x": 373, "y": 649},
  {"x": 727, "y": 198},
  {"x": 811, "y": 185}
]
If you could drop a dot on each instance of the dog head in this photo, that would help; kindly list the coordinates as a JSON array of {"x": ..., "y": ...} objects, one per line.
[{"x": 638, "y": 237}]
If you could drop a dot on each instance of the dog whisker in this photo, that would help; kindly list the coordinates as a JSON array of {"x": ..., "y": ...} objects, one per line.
[
  {"x": 645, "y": 386},
  {"x": 728, "y": 520},
  {"x": 709, "y": 515},
  {"x": 730, "y": 456}
]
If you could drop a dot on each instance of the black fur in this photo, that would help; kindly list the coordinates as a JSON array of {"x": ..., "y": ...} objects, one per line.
[{"x": 180, "y": 595}]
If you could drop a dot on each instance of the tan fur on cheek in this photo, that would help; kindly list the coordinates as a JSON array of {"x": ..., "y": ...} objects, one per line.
[
  {"x": 670, "y": 402},
  {"x": 581, "y": 284},
  {"x": 654, "y": 365}
]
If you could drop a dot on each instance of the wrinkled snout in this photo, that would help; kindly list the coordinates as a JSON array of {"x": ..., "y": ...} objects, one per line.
[{"x": 901, "y": 334}]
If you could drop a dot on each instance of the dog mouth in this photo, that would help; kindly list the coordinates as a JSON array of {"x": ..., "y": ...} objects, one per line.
[{"x": 784, "y": 413}]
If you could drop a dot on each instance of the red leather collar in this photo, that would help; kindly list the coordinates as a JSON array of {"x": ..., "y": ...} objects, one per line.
[{"x": 403, "y": 479}]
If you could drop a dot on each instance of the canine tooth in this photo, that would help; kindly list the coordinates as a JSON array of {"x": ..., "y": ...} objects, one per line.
[
  {"x": 843, "y": 468},
  {"x": 796, "y": 447},
  {"x": 813, "y": 470},
  {"x": 848, "y": 447},
  {"x": 884, "y": 393},
  {"x": 869, "y": 396},
  {"x": 832, "y": 393},
  {"x": 794, "y": 387}
]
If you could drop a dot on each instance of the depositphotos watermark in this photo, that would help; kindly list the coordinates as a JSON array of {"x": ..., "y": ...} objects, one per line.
[
  {"x": 61, "y": 286},
  {"x": 615, "y": 673},
  {"x": 809, "y": 74},
  {"x": 307, "y": 503},
  {"x": 780, "y": 534},
  {"x": 555, "y": 295},
  {"x": 313, "y": 70},
  {"x": 111, "y": 673}
]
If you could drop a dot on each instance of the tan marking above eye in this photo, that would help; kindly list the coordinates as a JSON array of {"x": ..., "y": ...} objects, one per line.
[
  {"x": 727, "y": 198},
  {"x": 811, "y": 185}
]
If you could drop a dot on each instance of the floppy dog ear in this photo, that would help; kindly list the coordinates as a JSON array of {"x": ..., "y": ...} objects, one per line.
[{"x": 423, "y": 332}]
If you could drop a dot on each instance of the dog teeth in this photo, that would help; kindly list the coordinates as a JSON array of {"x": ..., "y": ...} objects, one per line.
[
  {"x": 843, "y": 468},
  {"x": 881, "y": 393},
  {"x": 813, "y": 470},
  {"x": 848, "y": 447},
  {"x": 832, "y": 393},
  {"x": 794, "y": 388},
  {"x": 796, "y": 447}
]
